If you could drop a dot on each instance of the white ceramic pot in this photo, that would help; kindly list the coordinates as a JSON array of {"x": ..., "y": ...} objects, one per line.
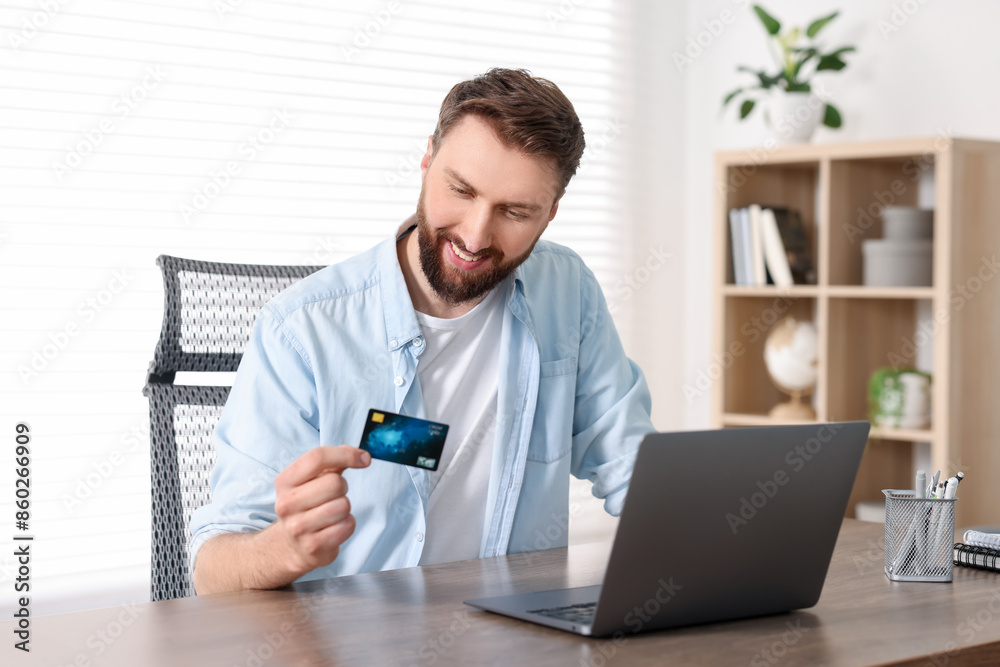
[{"x": 793, "y": 117}]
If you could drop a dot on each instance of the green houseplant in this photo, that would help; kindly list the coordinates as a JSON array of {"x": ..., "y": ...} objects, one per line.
[{"x": 794, "y": 111}]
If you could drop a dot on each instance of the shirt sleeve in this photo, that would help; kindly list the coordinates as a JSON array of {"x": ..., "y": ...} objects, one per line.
[
  {"x": 613, "y": 405},
  {"x": 269, "y": 419}
]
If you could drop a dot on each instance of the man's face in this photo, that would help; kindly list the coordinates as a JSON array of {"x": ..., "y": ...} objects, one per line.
[{"x": 482, "y": 208}]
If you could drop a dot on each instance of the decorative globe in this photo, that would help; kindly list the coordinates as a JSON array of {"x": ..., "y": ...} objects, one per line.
[{"x": 791, "y": 352}]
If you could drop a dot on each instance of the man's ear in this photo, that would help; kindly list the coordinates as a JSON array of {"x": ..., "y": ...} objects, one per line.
[
  {"x": 425, "y": 161},
  {"x": 555, "y": 209}
]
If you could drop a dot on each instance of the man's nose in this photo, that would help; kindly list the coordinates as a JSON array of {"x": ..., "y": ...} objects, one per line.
[{"x": 477, "y": 228}]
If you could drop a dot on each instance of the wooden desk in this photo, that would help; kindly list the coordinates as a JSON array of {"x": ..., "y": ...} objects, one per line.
[{"x": 416, "y": 617}]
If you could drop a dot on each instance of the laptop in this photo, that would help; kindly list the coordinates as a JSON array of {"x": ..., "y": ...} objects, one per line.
[{"x": 717, "y": 525}]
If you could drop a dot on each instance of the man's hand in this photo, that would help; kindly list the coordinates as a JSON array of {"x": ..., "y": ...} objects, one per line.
[
  {"x": 314, "y": 519},
  {"x": 314, "y": 514}
]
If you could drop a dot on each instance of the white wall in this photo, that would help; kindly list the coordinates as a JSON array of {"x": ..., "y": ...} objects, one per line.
[
  {"x": 656, "y": 177},
  {"x": 932, "y": 69}
]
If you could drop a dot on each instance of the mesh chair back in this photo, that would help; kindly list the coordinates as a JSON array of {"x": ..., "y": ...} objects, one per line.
[{"x": 209, "y": 311}]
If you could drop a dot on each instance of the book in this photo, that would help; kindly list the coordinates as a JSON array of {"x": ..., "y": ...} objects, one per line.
[
  {"x": 736, "y": 235},
  {"x": 980, "y": 558},
  {"x": 746, "y": 236},
  {"x": 796, "y": 243},
  {"x": 978, "y": 538},
  {"x": 774, "y": 250},
  {"x": 756, "y": 247}
]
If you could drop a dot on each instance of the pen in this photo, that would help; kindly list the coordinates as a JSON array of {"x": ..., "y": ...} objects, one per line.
[
  {"x": 920, "y": 520},
  {"x": 941, "y": 546},
  {"x": 934, "y": 483}
]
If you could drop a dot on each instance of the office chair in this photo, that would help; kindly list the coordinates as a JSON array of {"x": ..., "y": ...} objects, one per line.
[{"x": 209, "y": 311}]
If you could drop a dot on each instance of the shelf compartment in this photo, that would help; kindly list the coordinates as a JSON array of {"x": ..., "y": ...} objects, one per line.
[
  {"x": 793, "y": 185},
  {"x": 886, "y": 464},
  {"x": 748, "y": 320},
  {"x": 863, "y": 337},
  {"x": 860, "y": 189}
]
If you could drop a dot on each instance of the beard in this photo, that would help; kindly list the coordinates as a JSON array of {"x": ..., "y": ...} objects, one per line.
[{"x": 453, "y": 285}]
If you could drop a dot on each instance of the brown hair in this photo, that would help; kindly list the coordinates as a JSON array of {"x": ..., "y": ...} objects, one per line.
[{"x": 528, "y": 113}]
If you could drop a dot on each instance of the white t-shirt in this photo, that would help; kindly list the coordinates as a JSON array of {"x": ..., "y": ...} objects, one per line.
[{"x": 458, "y": 378}]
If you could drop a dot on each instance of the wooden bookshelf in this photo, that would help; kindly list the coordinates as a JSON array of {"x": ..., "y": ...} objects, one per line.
[{"x": 864, "y": 328}]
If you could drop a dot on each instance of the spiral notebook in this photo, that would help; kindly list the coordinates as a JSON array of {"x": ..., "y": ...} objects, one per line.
[{"x": 980, "y": 558}]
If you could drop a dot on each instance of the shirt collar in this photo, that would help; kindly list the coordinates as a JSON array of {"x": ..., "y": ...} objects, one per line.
[{"x": 401, "y": 324}]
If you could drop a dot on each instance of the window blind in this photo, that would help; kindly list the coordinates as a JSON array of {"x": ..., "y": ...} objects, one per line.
[{"x": 239, "y": 131}]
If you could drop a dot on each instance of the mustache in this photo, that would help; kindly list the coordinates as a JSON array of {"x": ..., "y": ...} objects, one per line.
[{"x": 485, "y": 252}]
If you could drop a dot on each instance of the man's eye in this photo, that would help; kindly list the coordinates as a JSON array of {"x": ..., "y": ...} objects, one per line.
[
  {"x": 459, "y": 191},
  {"x": 516, "y": 214}
]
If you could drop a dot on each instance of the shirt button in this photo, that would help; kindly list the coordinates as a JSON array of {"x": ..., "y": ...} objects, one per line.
[
  {"x": 419, "y": 536},
  {"x": 418, "y": 341},
  {"x": 394, "y": 344},
  {"x": 398, "y": 381}
]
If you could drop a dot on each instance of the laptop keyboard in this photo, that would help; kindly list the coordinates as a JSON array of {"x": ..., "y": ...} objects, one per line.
[{"x": 576, "y": 613}]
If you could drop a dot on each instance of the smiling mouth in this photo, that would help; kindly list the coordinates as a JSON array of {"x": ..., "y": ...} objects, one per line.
[{"x": 467, "y": 257}]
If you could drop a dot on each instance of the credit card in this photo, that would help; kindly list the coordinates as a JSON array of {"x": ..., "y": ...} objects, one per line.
[{"x": 401, "y": 439}]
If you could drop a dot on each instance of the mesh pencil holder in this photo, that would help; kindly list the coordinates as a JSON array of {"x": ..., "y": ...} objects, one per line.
[{"x": 919, "y": 536}]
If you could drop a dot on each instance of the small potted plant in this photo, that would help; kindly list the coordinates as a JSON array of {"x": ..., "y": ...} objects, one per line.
[{"x": 794, "y": 110}]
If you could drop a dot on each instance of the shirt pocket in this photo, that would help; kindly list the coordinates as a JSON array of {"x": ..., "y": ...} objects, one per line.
[{"x": 552, "y": 426}]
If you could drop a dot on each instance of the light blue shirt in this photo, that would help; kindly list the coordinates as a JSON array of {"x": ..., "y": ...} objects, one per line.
[{"x": 346, "y": 339}]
